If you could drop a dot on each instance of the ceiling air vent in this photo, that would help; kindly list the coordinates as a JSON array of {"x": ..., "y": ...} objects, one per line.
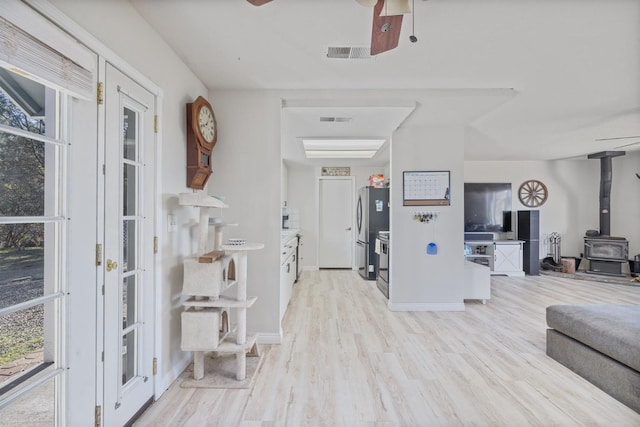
[
  {"x": 349, "y": 52},
  {"x": 335, "y": 119}
]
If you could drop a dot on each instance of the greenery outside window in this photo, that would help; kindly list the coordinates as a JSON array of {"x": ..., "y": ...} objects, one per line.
[{"x": 32, "y": 237}]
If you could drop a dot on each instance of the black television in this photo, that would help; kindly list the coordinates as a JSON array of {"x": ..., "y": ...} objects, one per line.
[{"x": 487, "y": 207}]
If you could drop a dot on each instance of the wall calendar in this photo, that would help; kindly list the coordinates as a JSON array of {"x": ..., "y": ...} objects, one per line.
[{"x": 426, "y": 188}]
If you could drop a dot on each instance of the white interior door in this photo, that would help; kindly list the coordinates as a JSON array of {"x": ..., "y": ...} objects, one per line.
[
  {"x": 335, "y": 233},
  {"x": 129, "y": 196}
]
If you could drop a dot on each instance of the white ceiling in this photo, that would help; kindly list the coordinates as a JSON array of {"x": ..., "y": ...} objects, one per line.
[{"x": 562, "y": 77}]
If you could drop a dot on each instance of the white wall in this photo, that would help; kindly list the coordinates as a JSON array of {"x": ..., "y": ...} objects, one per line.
[
  {"x": 419, "y": 281},
  {"x": 572, "y": 206},
  {"x": 625, "y": 199},
  {"x": 247, "y": 171},
  {"x": 133, "y": 40}
]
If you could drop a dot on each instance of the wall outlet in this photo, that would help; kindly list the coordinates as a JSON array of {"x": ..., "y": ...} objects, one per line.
[{"x": 172, "y": 223}]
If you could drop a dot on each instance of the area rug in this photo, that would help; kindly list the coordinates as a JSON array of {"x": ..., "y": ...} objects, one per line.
[{"x": 220, "y": 372}]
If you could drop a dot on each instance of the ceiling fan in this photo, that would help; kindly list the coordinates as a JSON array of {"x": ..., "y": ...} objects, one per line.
[
  {"x": 258, "y": 2},
  {"x": 387, "y": 22}
]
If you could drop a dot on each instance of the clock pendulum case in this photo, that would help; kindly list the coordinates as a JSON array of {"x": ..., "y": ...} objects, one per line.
[{"x": 202, "y": 135}]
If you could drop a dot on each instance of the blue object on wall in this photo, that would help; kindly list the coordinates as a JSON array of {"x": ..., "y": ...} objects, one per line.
[{"x": 432, "y": 249}]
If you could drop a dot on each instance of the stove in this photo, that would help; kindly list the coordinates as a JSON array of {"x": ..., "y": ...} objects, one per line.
[{"x": 606, "y": 254}]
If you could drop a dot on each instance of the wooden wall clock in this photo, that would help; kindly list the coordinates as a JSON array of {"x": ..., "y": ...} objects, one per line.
[{"x": 202, "y": 135}]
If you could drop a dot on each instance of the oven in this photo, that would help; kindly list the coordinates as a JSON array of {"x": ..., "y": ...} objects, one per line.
[{"x": 382, "y": 255}]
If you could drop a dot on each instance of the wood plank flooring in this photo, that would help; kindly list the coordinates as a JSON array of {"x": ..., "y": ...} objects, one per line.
[{"x": 347, "y": 360}]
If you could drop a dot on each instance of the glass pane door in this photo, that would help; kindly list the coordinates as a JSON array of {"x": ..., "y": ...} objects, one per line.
[{"x": 128, "y": 248}]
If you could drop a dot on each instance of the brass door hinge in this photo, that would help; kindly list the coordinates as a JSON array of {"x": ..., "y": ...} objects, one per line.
[
  {"x": 155, "y": 366},
  {"x": 155, "y": 244},
  {"x": 98, "y": 416},
  {"x": 100, "y": 95},
  {"x": 156, "y": 123},
  {"x": 98, "y": 254}
]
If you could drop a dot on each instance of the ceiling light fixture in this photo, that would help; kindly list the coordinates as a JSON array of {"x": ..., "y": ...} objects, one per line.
[
  {"x": 342, "y": 154},
  {"x": 341, "y": 148}
]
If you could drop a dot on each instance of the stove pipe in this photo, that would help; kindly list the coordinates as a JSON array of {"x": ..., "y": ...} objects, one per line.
[{"x": 605, "y": 187}]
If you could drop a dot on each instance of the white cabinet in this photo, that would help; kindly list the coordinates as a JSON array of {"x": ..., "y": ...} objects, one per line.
[
  {"x": 477, "y": 281},
  {"x": 503, "y": 257},
  {"x": 480, "y": 252},
  {"x": 508, "y": 257},
  {"x": 288, "y": 269}
]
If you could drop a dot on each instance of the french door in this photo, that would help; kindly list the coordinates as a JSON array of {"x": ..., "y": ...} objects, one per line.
[{"x": 128, "y": 255}]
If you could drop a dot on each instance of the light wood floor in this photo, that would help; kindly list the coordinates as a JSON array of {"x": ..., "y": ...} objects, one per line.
[{"x": 347, "y": 360}]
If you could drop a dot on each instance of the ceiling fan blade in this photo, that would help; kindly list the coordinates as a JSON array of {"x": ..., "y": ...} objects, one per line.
[
  {"x": 258, "y": 2},
  {"x": 385, "y": 33}
]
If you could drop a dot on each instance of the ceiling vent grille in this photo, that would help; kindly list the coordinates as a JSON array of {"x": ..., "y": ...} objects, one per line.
[
  {"x": 335, "y": 119},
  {"x": 349, "y": 52}
]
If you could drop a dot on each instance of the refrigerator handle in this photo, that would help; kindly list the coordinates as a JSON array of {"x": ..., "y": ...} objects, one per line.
[{"x": 359, "y": 214}]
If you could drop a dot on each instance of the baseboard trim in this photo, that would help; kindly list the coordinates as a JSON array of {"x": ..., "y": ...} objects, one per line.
[
  {"x": 310, "y": 268},
  {"x": 269, "y": 338},
  {"x": 177, "y": 369},
  {"x": 451, "y": 306}
]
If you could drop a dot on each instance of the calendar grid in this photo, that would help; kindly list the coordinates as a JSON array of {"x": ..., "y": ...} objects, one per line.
[{"x": 426, "y": 188}]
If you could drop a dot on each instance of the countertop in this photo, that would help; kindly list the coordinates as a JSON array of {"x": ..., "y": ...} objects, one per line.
[{"x": 288, "y": 233}]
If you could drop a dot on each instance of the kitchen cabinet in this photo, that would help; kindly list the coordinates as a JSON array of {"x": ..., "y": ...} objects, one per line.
[
  {"x": 477, "y": 281},
  {"x": 288, "y": 268}
]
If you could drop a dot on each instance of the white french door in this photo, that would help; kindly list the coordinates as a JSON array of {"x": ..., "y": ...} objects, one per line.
[{"x": 129, "y": 197}]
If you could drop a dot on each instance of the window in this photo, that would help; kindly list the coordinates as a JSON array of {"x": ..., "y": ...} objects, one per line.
[{"x": 32, "y": 242}]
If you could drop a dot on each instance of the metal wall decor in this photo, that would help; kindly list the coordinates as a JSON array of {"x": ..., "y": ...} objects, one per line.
[
  {"x": 336, "y": 171},
  {"x": 532, "y": 193}
]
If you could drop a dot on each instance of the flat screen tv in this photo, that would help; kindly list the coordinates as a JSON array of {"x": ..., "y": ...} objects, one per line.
[{"x": 487, "y": 207}]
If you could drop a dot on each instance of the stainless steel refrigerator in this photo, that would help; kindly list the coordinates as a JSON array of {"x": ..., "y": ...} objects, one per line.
[{"x": 372, "y": 215}]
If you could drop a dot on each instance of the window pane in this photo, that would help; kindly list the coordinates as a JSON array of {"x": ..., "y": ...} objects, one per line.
[
  {"x": 21, "y": 263},
  {"x": 22, "y": 160},
  {"x": 22, "y": 168},
  {"x": 129, "y": 245},
  {"x": 129, "y": 356},
  {"x": 129, "y": 138},
  {"x": 22, "y": 102},
  {"x": 35, "y": 408},
  {"x": 129, "y": 185},
  {"x": 22, "y": 341},
  {"x": 128, "y": 301}
]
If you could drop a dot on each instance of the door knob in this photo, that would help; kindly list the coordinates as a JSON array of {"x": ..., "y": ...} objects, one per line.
[
  {"x": 111, "y": 265},
  {"x": 348, "y": 229}
]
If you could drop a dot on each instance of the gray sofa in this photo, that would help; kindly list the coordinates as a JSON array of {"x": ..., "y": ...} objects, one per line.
[{"x": 601, "y": 343}]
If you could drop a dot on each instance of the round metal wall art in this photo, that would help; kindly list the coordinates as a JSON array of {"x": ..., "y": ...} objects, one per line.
[{"x": 532, "y": 193}]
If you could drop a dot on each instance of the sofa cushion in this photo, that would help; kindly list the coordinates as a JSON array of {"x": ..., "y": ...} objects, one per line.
[{"x": 611, "y": 329}]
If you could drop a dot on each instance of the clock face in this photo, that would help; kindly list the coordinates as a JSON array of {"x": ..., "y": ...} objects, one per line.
[{"x": 207, "y": 124}]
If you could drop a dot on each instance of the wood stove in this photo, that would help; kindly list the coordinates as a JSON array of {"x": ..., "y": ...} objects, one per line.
[{"x": 606, "y": 254}]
